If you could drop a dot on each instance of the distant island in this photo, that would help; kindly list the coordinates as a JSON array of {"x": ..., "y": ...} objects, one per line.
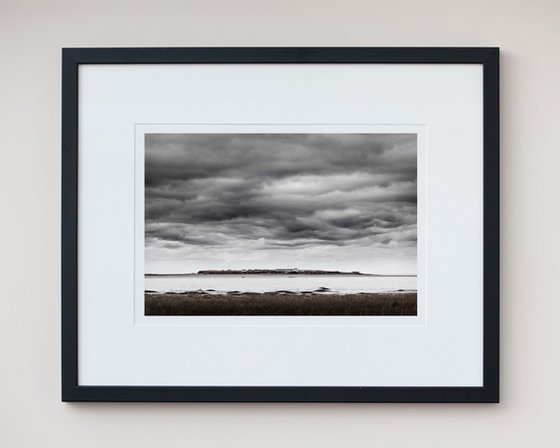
[{"x": 287, "y": 271}]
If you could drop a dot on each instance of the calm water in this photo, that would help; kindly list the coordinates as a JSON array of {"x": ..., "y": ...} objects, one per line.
[{"x": 343, "y": 284}]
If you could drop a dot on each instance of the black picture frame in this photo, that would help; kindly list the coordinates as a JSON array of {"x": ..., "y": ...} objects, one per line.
[{"x": 72, "y": 58}]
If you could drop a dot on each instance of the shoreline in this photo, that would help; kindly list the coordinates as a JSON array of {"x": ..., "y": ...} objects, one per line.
[
  {"x": 342, "y": 274},
  {"x": 280, "y": 303}
]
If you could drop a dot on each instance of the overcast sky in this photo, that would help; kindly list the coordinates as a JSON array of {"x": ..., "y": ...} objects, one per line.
[{"x": 310, "y": 201}]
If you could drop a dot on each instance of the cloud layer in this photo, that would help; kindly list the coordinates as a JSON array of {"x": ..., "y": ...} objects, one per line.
[{"x": 227, "y": 201}]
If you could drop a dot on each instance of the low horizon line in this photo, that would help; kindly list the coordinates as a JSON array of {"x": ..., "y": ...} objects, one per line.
[{"x": 239, "y": 271}]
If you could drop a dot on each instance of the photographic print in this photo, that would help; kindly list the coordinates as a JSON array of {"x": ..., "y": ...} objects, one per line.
[{"x": 280, "y": 224}]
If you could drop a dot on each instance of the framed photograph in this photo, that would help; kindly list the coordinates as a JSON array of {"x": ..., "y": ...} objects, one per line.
[{"x": 280, "y": 224}]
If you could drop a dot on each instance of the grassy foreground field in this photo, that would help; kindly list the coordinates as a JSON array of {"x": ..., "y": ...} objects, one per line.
[{"x": 194, "y": 303}]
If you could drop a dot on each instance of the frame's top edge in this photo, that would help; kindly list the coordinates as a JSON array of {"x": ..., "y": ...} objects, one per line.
[
  {"x": 173, "y": 55},
  {"x": 287, "y": 48}
]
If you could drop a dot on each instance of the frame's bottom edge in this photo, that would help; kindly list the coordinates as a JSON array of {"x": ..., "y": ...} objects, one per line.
[{"x": 281, "y": 394}]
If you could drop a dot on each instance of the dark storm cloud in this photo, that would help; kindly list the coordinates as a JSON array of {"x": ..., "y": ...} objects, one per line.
[
  {"x": 286, "y": 190},
  {"x": 198, "y": 156}
]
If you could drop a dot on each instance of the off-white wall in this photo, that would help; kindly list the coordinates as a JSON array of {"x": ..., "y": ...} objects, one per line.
[{"x": 31, "y": 35}]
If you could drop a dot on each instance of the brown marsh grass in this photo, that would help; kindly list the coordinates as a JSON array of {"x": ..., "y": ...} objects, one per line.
[{"x": 195, "y": 303}]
